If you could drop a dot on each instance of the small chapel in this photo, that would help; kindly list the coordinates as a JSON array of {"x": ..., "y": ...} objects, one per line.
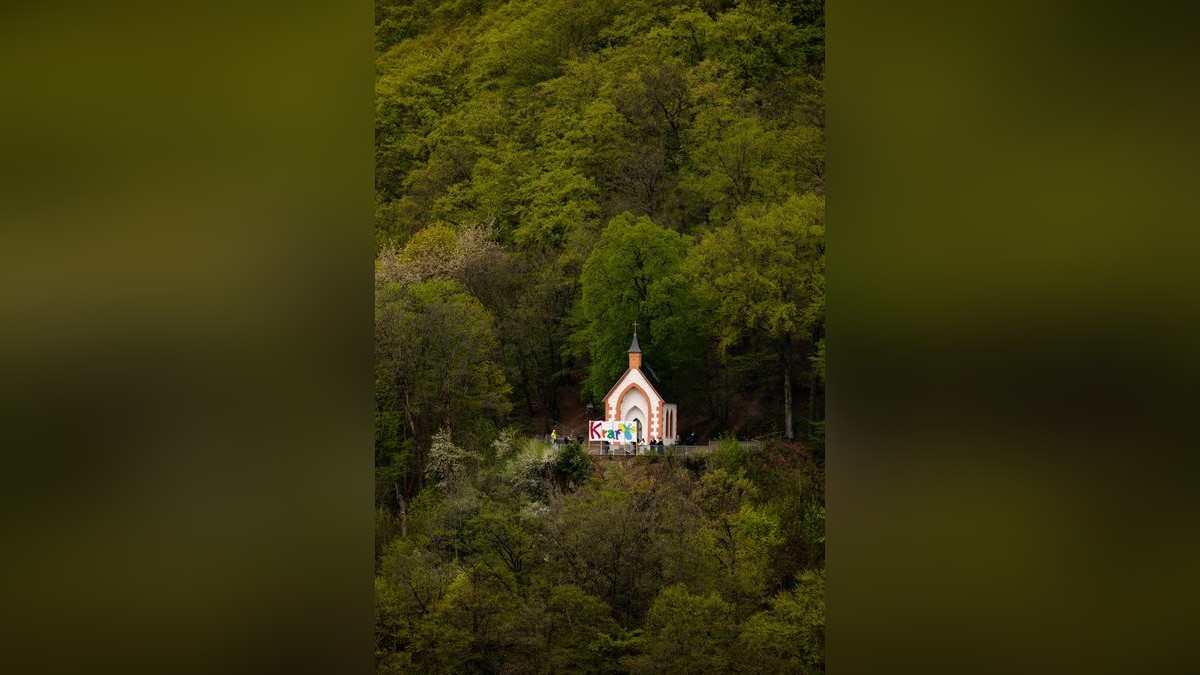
[{"x": 638, "y": 396}]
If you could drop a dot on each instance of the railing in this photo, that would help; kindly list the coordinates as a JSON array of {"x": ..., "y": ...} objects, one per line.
[
  {"x": 774, "y": 435},
  {"x": 598, "y": 450}
]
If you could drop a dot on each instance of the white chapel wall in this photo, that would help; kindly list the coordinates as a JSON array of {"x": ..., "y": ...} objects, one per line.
[
  {"x": 635, "y": 399},
  {"x": 636, "y": 377},
  {"x": 650, "y": 403}
]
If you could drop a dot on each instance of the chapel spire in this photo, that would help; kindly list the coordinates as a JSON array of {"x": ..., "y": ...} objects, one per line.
[{"x": 635, "y": 352}]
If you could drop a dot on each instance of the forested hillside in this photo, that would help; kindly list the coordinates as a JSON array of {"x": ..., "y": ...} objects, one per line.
[{"x": 549, "y": 172}]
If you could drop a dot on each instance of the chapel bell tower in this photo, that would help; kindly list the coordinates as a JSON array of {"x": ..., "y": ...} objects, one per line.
[{"x": 635, "y": 353}]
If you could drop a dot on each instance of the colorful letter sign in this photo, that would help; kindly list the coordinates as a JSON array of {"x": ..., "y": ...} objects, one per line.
[{"x": 613, "y": 432}]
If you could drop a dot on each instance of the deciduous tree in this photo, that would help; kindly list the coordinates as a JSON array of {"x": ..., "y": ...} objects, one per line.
[{"x": 765, "y": 275}]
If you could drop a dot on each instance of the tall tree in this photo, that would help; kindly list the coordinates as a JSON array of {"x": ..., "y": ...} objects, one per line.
[
  {"x": 686, "y": 634},
  {"x": 634, "y": 275},
  {"x": 435, "y": 367},
  {"x": 765, "y": 274},
  {"x": 790, "y": 636}
]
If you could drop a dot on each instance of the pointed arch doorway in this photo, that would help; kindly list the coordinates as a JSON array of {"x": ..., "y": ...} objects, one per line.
[{"x": 635, "y": 414}]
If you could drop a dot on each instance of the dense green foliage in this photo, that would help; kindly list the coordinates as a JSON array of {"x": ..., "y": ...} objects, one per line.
[
  {"x": 548, "y": 172},
  {"x": 536, "y": 560}
]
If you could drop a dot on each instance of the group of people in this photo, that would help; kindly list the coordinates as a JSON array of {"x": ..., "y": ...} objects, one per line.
[
  {"x": 566, "y": 439},
  {"x": 654, "y": 445}
]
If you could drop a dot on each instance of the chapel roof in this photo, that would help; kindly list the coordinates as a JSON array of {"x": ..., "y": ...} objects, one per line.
[
  {"x": 651, "y": 377},
  {"x": 655, "y": 382},
  {"x": 633, "y": 347}
]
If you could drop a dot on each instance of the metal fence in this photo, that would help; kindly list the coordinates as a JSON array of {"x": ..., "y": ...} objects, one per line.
[{"x": 598, "y": 449}]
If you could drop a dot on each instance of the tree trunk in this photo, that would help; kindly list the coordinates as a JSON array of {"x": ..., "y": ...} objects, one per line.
[
  {"x": 812, "y": 396},
  {"x": 403, "y": 511},
  {"x": 787, "y": 397},
  {"x": 551, "y": 390},
  {"x": 527, "y": 383},
  {"x": 412, "y": 425}
]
